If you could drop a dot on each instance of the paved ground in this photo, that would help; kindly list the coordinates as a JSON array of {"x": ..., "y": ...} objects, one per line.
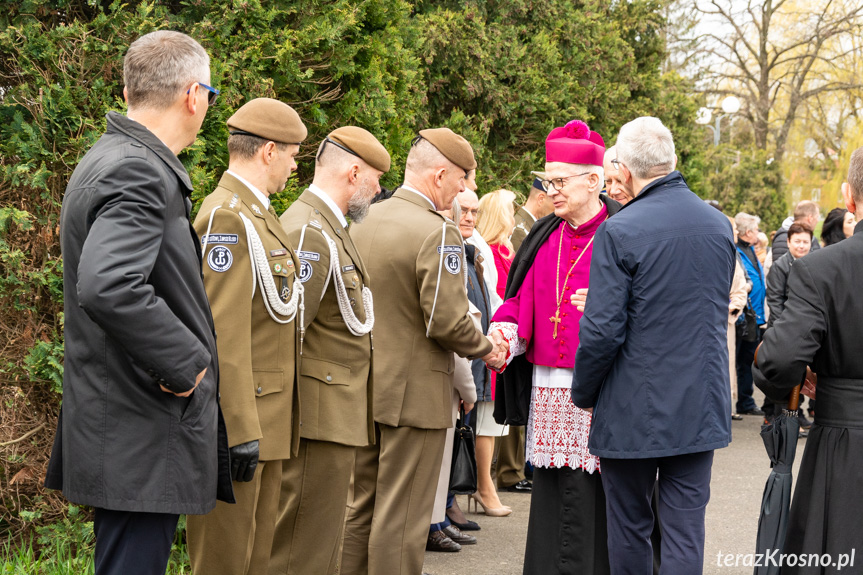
[{"x": 739, "y": 473}]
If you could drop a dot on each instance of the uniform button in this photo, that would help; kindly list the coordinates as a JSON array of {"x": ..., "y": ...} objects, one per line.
[
  {"x": 317, "y": 212},
  {"x": 260, "y": 390},
  {"x": 329, "y": 377},
  {"x": 338, "y": 232},
  {"x": 353, "y": 284},
  {"x": 219, "y": 396}
]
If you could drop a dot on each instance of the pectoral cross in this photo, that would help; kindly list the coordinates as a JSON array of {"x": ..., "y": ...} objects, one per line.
[{"x": 555, "y": 319}]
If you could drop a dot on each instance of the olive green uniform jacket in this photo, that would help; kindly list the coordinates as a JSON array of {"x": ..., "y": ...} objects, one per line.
[
  {"x": 335, "y": 365},
  {"x": 257, "y": 355},
  {"x": 523, "y": 222},
  {"x": 421, "y": 312}
]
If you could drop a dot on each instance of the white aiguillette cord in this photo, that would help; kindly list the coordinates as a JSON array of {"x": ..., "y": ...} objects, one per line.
[
  {"x": 259, "y": 262},
  {"x": 354, "y": 325}
]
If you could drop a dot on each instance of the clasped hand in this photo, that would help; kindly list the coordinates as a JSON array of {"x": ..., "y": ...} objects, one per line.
[{"x": 496, "y": 358}]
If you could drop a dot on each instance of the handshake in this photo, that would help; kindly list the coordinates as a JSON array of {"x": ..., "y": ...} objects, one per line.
[{"x": 496, "y": 358}]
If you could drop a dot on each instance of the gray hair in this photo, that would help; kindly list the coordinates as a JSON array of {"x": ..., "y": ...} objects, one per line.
[
  {"x": 160, "y": 65},
  {"x": 746, "y": 222},
  {"x": 646, "y": 147}
]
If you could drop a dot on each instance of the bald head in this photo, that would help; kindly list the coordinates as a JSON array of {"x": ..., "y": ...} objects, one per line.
[
  {"x": 424, "y": 157},
  {"x": 429, "y": 172}
]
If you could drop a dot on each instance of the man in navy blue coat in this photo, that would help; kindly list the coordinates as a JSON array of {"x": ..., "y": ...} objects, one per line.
[{"x": 653, "y": 359}]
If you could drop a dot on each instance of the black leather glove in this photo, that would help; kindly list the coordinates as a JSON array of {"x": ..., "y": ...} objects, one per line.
[{"x": 244, "y": 460}]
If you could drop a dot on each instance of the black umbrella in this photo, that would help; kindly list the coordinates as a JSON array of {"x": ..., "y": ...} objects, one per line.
[{"x": 780, "y": 440}]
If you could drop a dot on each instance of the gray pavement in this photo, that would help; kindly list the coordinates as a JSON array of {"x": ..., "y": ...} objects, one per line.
[{"x": 739, "y": 473}]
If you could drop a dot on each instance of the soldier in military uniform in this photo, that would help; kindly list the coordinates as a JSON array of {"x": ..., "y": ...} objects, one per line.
[
  {"x": 414, "y": 257},
  {"x": 249, "y": 274},
  {"x": 335, "y": 378},
  {"x": 538, "y": 205}
]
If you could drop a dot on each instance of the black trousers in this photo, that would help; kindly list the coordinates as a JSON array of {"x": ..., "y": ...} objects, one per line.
[
  {"x": 566, "y": 532},
  {"x": 133, "y": 543},
  {"x": 684, "y": 490}
]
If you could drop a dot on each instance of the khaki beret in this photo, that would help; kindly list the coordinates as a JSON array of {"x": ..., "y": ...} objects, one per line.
[
  {"x": 454, "y": 148},
  {"x": 268, "y": 119},
  {"x": 363, "y": 144}
]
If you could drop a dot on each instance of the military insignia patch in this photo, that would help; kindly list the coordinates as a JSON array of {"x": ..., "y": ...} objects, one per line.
[
  {"x": 277, "y": 268},
  {"x": 220, "y": 259},
  {"x": 349, "y": 268},
  {"x": 314, "y": 256},
  {"x": 449, "y": 249},
  {"x": 278, "y": 253},
  {"x": 452, "y": 263},
  {"x": 219, "y": 239},
  {"x": 305, "y": 271},
  {"x": 256, "y": 209}
]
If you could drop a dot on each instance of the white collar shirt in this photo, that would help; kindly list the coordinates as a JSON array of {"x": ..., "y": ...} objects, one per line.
[{"x": 258, "y": 193}]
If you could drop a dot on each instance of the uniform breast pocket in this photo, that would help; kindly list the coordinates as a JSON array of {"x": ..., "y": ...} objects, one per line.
[
  {"x": 267, "y": 381},
  {"x": 328, "y": 372},
  {"x": 282, "y": 268}
]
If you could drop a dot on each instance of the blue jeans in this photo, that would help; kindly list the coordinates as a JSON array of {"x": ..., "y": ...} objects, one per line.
[{"x": 745, "y": 356}]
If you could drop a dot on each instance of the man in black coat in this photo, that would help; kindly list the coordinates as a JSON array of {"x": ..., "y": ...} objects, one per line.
[
  {"x": 140, "y": 437},
  {"x": 820, "y": 328}
]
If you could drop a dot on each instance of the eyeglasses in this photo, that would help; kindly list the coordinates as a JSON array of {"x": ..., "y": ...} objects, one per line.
[
  {"x": 559, "y": 183},
  {"x": 474, "y": 213},
  {"x": 211, "y": 97},
  {"x": 617, "y": 163}
]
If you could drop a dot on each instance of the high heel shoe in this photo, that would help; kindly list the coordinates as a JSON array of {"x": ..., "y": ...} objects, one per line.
[{"x": 501, "y": 511}]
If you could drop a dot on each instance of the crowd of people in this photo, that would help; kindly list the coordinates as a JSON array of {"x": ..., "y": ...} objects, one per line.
[
  {"x": 291, "y": 382},
  {"x": 757, "y": 304}
]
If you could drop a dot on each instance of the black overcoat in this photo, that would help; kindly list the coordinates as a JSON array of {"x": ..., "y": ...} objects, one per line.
[
  {"x": 821, "y": 327},
  {"x": 136, "y": 316}
]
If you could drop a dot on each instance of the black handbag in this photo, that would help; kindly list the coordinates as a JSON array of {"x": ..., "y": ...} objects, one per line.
[
  {"x": 462, "y": 476},
  {"x": 747, "y": 324}
]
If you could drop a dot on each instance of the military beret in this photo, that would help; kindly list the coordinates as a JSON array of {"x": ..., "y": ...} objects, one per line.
[
  {"x": 268, "y": 119},
  {"x": 362, "y": 144},
  {"x": 454, "y": 148}
]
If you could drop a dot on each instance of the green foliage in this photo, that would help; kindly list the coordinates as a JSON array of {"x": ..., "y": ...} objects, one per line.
[
  {"x": 44, "y": 363},
  {"x": 502, "y": 73},
  {"x": 745, "y": 181}
]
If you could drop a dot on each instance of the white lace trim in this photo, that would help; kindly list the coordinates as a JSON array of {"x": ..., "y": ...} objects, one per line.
[
  {"x": 509, "y": 331},
  {"x": 557, "y": 431}
]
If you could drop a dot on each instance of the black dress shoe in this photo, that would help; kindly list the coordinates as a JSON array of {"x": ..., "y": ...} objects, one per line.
[
  {"x": 523, "y": 486},
  {"x": 438, "y": 541},
  {"x": 736, "y": 417},
  {"x": 753, "y": 411},
  {"x": 468, "y": 525},
  {"x": 456, "y": 535}
]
